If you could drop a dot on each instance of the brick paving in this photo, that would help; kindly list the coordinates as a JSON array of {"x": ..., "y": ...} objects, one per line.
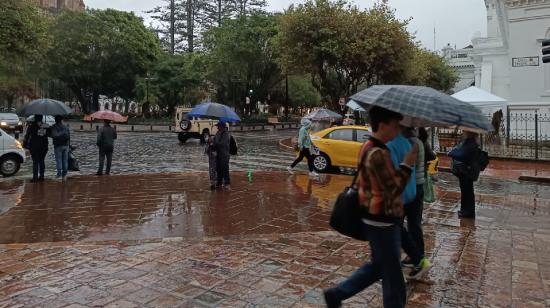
[{"x": 165, "y": 240}]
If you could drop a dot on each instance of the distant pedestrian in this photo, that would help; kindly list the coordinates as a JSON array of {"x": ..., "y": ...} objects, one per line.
[
  {"x": 106, "y": 137},
  {"x": 210, "y": 151},
  {"x": 36, "y": 140},
  {"x": 305, "y": 147},
  {"x": 380, "y": 188},
  {"x": 222, "y": 144},
  {"x": 429, "y": 155},
  {"x": 61, "y": 138},
  {"x": 466, "y": 168}
]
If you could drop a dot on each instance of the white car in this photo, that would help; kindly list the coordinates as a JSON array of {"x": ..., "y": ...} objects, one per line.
[{"x": 12, "y": 154}]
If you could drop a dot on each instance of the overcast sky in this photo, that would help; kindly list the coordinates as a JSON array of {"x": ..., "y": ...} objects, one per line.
[{"x": 455, "y": 21}]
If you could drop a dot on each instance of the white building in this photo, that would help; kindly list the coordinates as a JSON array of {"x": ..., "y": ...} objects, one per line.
[{"x": 508, "y": 61}]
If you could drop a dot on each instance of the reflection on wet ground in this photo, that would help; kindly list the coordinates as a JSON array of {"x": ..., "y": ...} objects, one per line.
[{"x": 167, "y": 240}]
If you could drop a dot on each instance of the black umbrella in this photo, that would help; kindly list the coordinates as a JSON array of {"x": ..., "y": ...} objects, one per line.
[{"x": 45, "y": 106}]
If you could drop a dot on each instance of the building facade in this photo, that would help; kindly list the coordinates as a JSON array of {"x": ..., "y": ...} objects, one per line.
[
  {"x": 58, "y": 5},
  {"x": 508, "y": 61}
]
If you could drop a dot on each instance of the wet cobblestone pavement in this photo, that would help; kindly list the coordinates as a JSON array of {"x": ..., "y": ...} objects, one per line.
[
  {"x": 166, "y": 240},
  {"x": 162, "y": 153}
]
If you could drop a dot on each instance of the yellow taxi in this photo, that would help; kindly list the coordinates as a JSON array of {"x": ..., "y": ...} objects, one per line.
[{"x": 339, "y": 147}]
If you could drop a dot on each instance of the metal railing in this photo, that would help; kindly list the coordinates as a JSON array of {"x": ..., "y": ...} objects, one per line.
[{"x": 519, "y": 135}]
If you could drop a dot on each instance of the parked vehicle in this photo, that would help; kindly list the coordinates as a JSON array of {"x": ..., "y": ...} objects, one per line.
[
  {"x": 11, "y": 123},
  {"x": 197, "y": 128},
  {"x": 349, "y": 119},
  {"x": 48, "y": 120},
  {"x": 12, "y": 154}
]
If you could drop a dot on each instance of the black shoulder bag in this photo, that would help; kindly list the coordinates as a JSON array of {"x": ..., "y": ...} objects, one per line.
[{"x": 347, "y": 213}]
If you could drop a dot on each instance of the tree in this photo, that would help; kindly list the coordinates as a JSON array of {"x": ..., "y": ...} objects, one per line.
[
  {"x": 178, "y": 80},
  {"x": 23, "y": 37},
  {"x": 101, "y": 52},
  {"x": 344, "y": 48},
  {"x": 241, "y": 58},
  {"x": 302, "y": 93},
  {"x": 429, "y": 69},
  {"x": 173, "y": 24}
]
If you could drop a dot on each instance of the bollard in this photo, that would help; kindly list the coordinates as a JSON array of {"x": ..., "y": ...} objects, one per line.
[
  {"x": 169, "y": 128},
  {"x": 97, "y": 128},
  {"x": 81, "y": 127},
  {"x": 151, "y": 127},
  {"x": 132, "y": 127}
]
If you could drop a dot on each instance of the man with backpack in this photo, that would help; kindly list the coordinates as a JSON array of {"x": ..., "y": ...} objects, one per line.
[
  {"x": 225, "y": 146},
  {"x": 61, "y": 139}
]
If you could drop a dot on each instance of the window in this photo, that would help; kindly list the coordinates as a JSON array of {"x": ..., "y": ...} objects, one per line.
[
  {"x": 362, "y": 135},
  {"x": 341, "y": 134}
]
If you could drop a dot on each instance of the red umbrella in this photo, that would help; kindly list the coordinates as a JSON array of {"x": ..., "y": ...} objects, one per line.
[{"x": 108, "y": 115}]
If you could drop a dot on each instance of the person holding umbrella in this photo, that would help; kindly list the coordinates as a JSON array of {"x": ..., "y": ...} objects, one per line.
[
  {"x": 106, "y": 137},
  {"x": 36, "y": 140},
  {"x": 221, "y": 143},
  {"x": 305, "y": 147}
]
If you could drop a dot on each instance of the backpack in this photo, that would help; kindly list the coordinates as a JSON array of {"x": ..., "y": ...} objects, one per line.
[
  {"x": 233, "y": 148},
  {"x": 60, "y": 135}
]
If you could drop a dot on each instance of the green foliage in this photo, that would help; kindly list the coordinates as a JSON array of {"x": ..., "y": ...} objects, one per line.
[
  {"x": 178, "y": 80},
  {"x": 101, "y": 52},
  {"x": 302, "y": 93},
  {"x": 23, "y": 39},
  {"x": 429, "y": 69},
  {"x": 241, "y": 57},
  {"x": 343, "y": 47}
]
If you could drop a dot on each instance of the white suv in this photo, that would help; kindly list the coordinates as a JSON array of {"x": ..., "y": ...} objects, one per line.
[
  {"x": 12, "y": 154},
  {"x": 196, "y": 128}
]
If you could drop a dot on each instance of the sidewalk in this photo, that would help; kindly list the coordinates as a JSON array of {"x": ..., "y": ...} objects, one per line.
[{"x": 165, "y": 240}]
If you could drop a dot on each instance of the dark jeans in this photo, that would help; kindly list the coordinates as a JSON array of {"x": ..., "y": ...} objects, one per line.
[
  {"x": 467, "y": 197},
  {"x": 105, "y": 152},
  {"x": 222, "y": 169},
  {"x": 413, "y": 213},
  {"x": 304, "y": 153},
  {"x": 385, "y": 264},
  {"x": 38, "y": 163}
]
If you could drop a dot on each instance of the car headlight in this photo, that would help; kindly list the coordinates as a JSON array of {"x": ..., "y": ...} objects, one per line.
[
  {"x": 19, "y": 123},
  {"x": 3, "y": 123},
  {"x": 18, "y": 144}
]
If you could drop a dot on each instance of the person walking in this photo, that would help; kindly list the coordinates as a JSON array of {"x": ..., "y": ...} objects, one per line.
[
  {"x": 466, "y": 168},
  {"x": 306, "y": 149},
  {"x": 222, "y": 141},
  {"x": 36, "y": 140},
  {"x": 61, "y": 138},
  {"x": 399, "y": 147},
  {"x": 106, "y": 137},
  {"x": 380, "y": 193}
]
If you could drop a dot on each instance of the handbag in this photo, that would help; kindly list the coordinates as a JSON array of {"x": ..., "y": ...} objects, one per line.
[
  {"x": 73, "y": 164},
  {"x": 346, "y": 216}
]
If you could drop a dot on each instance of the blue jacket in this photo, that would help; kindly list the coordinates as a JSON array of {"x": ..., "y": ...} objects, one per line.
[
  {"x": 465, "y": 151},
  {"x": 399, "y": 148}
]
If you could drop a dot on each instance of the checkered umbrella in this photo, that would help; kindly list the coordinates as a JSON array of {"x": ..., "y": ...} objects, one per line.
[
  {"x": 423, "y": 107},
  {"x": 323, "y": 114}
]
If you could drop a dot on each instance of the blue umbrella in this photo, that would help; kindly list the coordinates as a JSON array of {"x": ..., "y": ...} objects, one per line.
[{"x": 214, "y": 110}]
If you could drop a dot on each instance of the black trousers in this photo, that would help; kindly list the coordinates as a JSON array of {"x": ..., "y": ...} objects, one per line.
[
  {"x": 304, "y": 153},
  {"x": 105, "y": 153},
  {"x": 38, "y": 163},
  {"x": 222, "y": 168},
  {"x": 467, "y": 197}
]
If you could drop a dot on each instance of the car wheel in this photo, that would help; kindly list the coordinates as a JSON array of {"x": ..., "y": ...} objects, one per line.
[
  {"x": 321, "y": 163},
  {"x": 9, "y": 165},
  {"x": 205, "y": 136},
  {"x": 182, "y": 137},
  {"x": 185, "y": 124}
]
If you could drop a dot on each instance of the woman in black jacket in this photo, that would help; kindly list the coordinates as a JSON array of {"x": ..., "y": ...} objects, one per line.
[
  {"x": 466, "y": 168},
  {"x": 36, "y": 140}
]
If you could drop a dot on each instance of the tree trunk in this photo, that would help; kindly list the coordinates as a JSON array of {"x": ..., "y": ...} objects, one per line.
[
  {"x": 219, "y": 13},
  {"x": 172, "y": 27},
  {"x": 126, "y": 105},
  {"x": 190, "y": 25},
  {"x": 95, "y": 101},
  {"x": 81, "y": 98}
]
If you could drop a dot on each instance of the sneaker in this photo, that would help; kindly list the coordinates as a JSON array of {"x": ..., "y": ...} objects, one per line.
[
  {"x": 420, "y": 269},
  {"x": 313, "y": 174},
  {"x": 407, "y": 263},
  {"x": 289, "y": 170},
  {"x": 227, "y": 187},
  {"x": 99, "y": 174},
  {"x": 330, "y": 300}
]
